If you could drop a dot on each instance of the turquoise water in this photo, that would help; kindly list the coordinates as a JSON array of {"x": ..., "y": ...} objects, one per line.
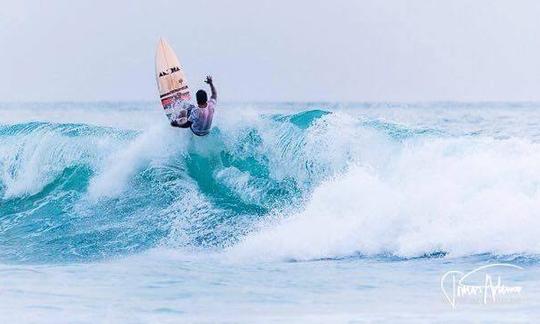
[{"x": 289, "y": 211}]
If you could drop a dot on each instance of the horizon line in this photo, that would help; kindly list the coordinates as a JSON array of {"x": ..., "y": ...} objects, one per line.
[{"x": 346, "y": 102}]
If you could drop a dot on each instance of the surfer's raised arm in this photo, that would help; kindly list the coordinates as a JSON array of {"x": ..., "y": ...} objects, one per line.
[{"x": 212, "y": 88}]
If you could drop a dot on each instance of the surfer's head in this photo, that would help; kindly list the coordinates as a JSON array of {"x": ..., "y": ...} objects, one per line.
[{"x": 202, "y": 97}]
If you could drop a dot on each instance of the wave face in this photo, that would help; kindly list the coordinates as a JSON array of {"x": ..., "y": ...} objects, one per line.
[{"x": 288, "y": 185}]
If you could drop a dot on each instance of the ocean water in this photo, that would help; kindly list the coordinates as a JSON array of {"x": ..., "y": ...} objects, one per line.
[{"x": 293, "y": 212}]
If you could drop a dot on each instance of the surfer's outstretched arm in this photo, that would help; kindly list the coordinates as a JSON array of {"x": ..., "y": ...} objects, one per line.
[{"x": 212, "y": 88}]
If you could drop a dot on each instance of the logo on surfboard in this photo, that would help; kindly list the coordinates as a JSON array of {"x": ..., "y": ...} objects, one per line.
[{"x": 169, "y": 71}]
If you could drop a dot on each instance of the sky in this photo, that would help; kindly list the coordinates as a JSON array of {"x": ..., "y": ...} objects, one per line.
[{"x": 340, "y": 50}]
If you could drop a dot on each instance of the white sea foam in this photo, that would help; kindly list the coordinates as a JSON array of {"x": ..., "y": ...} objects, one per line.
[
  {"x": 461, "y": 196},
  {"x": 156, "y": 143}
]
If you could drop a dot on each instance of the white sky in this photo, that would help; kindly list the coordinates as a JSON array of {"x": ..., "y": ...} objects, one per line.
[{"x": 305, "y": 50}]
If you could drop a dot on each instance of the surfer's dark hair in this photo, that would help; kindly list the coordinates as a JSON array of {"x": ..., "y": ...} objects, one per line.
[{"x": 202, "y": 97}]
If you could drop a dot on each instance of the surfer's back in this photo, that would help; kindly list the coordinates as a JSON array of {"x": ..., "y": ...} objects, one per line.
[{"x": 201, "y": 118}]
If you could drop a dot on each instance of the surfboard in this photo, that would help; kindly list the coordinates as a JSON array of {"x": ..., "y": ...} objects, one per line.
[{"x": 171, "y": 82}]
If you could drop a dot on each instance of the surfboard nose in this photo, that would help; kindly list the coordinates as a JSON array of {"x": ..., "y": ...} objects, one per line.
[{"x": 162, "y": 40}]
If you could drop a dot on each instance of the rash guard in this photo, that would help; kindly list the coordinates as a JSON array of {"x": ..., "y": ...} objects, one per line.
[{"x": 201, "y": 118}]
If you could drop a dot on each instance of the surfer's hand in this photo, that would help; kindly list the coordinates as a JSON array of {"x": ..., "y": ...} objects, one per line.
[{"x": 211, "y": 84}]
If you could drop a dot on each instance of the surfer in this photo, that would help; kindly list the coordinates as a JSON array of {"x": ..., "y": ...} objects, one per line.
[{"x": 199, "y": 118}]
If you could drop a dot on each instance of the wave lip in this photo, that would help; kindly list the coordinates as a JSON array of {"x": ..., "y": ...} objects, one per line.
[{"x": 32, "y": 155}]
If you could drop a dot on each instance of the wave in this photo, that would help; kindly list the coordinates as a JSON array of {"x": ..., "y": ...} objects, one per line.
[
  {"x": 303, "y": 186},
  {"x": 77, "y": 192}
]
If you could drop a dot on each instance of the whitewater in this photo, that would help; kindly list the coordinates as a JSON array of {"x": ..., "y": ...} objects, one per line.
[{"x": 286, "y": 211}]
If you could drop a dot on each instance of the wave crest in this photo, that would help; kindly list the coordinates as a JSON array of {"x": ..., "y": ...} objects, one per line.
[{"x": 304, "y": 186}]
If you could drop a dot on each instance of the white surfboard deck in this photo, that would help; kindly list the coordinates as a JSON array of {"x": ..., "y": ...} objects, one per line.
[{"x": 171, "y": 81}]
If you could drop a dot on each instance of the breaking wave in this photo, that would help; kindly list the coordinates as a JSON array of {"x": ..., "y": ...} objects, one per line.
[{"x": 302, "y": 186}]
